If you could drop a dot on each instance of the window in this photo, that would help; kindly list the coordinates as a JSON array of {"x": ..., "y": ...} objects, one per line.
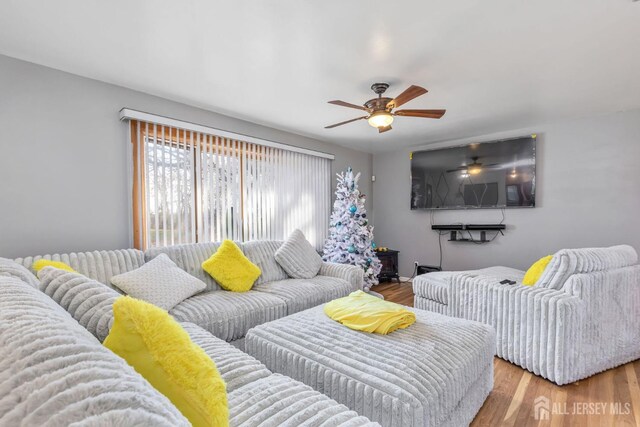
[{"x": 193, "y": 186}]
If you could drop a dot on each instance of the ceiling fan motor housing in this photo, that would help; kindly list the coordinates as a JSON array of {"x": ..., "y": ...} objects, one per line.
[
  {"x": 379, "y": 88},
  {"x": 377, "y": 104}
]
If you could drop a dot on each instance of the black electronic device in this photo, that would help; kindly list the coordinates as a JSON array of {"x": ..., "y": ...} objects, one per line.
[
  {"x": 424, "y": 269},
  {"x": 486, "y": 227},
  {"x": 447, "y": 226},
  {"x": 469, "y": 227}
]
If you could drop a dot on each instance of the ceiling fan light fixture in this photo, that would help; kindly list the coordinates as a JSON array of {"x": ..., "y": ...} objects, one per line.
[
  {"x": 474, "y": 170},
  {"x": 380, "y": 119}
]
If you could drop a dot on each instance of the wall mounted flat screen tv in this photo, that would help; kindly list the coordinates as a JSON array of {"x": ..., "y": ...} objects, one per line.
[{"x": 496, "y": 174}]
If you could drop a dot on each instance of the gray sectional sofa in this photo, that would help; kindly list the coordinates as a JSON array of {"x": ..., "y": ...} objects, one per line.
[
  {"x": 54, "y": 370},
  {"x": 227, "y": 315}
]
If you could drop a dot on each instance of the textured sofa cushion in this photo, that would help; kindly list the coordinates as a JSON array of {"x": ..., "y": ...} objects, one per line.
[
  {"x": 87, "y": 300},
  {"x": 229, "y": 315},
  {"x": 97, "y": 265},
  {"x": 277, "y": 401},
  {"x": 301, "y": 294},
  {"x": 160, "y": 282},
  {"x": 231, "y": 268},
  {"x": 256, "y": 396},
  {"x": 263, "y": 254},
  {"x": 236, "y": 367},
  {"x": 567, "y": 262},
  {"x": 161, "y": 351},
  {"x": 10, "y": 268},
  {"x": 298, "y": 258},
  {"x": 54, "y": 373},
  {"x": 189, "y": 258}
]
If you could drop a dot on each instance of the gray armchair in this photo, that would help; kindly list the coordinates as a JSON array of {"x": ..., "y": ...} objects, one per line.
[{"x": 580, "y": 318}]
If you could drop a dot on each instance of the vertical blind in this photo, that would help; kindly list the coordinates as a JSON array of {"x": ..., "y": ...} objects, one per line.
[{"x": 193, "y": 187}]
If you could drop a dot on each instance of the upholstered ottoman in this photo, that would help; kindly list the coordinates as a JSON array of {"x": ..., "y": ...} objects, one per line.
[
  {"x": 435, "y": 291},
  {"x": 431, "y": 292},
  {"x": 437, "y": 372}
]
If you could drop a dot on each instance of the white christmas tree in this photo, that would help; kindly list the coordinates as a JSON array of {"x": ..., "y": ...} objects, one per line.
[{"x": 350, "y": 235}]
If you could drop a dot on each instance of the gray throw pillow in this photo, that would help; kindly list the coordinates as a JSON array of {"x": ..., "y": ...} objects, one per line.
[
  {"x": 86, "y": 300},
  {"x": 160, "y": 282},
  {"x": 298, "y": 258}
]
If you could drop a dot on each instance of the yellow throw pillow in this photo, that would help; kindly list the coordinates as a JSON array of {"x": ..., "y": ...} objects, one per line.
[
  {"x": 42, "y": 263},
  {"x": 229, "y": 267},
  {"x": 157, "y": 347},
  {"x": 535, "y": 271}
]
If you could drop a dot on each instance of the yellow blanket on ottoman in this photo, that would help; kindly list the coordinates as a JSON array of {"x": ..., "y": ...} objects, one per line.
[{"x": 363, "y": 312}]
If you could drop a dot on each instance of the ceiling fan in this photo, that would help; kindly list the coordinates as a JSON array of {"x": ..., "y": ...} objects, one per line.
[
  {"x": 380, "y": 110},
  {"x": 473, "y": 168}
]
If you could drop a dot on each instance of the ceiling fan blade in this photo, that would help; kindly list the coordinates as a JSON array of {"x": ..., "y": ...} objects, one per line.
[
  {"x": 346, "y": 104},
  {"x": 458, "y": 169},
  {"x": 412, "y": 92},
  {"x": 384, "y": 129},
  {"x": 344, "y": 123},
  {"x": 427, "y": 114}
]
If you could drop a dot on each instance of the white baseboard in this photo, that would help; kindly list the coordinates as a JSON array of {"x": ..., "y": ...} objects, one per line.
[{"x": 405, "y": 279}]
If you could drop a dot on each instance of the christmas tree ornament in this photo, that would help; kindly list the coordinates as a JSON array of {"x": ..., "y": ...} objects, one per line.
[{"x": 351, "y": 239}]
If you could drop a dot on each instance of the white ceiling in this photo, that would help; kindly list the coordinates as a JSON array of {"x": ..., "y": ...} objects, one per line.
[{"x": 494, "y": 65}]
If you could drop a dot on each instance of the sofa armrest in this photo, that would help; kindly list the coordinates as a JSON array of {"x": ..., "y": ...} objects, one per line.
[
  {"x": 611, "y": 334},
  {"x": 351, "y": 273}
]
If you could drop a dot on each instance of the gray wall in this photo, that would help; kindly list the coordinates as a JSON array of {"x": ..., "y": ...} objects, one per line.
[
  {"x": 588, "y": 194},
  {"x": 63, "y": 159}
]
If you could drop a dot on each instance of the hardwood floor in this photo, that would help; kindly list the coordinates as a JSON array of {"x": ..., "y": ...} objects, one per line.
[{"x": 611, "y": 398}]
